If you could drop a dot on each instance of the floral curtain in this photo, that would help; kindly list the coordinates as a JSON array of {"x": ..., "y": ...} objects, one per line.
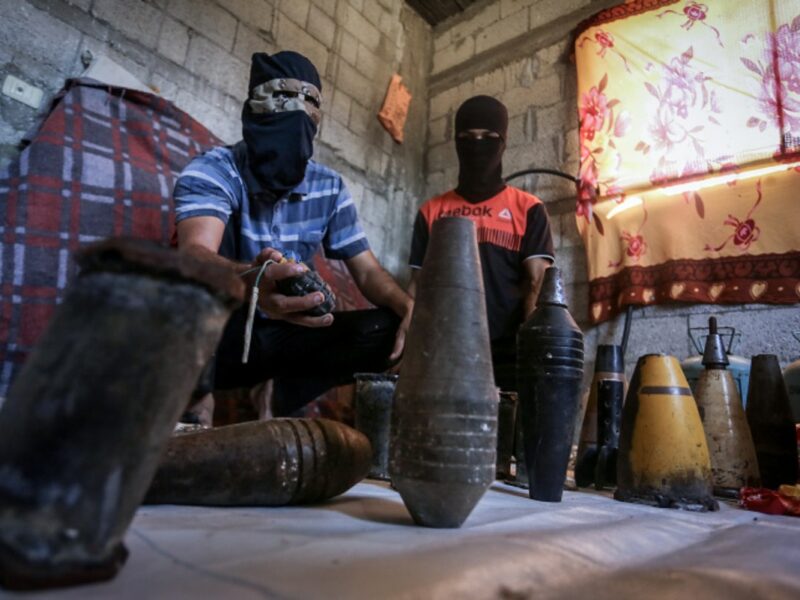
[{"x": 690, "y": 152}]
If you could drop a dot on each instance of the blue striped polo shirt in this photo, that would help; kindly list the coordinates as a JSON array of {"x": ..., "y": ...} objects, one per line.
[{"x": 319, "y": 211}]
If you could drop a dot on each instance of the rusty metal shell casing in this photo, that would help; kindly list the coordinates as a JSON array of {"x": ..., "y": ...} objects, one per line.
[
  {"x": 663, "y": 457},
  {"x": 374, "y": 394},
  {"x": 444, "y": 417},
  {"x": 602, "y": 419},
  {"x": 94, "y": 406},
  {"x": 770, "y": 418},
  {"x": 733, "y": 457},
  {"x": 549, "y": 376},
  {"x": 261, "y": 463},
  {"x": 506, "y": 419}
]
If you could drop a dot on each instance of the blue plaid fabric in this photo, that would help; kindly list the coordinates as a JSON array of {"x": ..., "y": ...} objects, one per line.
[{"x": 319, "y": 211}]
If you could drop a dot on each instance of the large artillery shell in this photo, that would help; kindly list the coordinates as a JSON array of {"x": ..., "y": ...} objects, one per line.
[
  {"x": 444, "y": 418},
  {"x": 602, "y": 413},
  {"x": 94, "y": 406},
  {"x": 262, "y": 463},
  {"x": 663, "y": 457},
  {"x": 549, "y": 375},
  {"x": 374, "y": 393},
  {"x": 730, "y": 445},
  {"x": 770, "y": 418}
]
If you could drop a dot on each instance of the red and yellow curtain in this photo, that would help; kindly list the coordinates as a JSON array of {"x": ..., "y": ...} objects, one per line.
[{"x": 690, "y": 152}]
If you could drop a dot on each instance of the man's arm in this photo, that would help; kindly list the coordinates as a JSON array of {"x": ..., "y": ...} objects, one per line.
[
  {"x": 412, "y": 284},
  {"x": 201, "y": 237},
  {"x": 533, "y": 274},
  {"x": 381, "y": 289}
]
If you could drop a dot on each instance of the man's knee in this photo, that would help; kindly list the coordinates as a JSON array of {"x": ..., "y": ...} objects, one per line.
[{"x": 374, "y": 324}]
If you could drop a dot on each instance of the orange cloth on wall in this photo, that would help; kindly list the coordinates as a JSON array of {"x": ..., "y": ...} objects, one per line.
[
  {"x": 395, "y": 108},
  {"x": 690, "y": 152}
]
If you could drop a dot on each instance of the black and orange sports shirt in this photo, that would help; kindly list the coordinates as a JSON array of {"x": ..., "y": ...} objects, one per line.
[{"x": 512, "y": 227}]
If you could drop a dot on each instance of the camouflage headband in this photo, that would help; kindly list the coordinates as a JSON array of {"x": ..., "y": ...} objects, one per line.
[{"x": 282, "y": 95}]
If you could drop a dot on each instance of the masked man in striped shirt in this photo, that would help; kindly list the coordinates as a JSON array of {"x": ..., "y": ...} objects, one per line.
[{"x": 263, "y": 198}]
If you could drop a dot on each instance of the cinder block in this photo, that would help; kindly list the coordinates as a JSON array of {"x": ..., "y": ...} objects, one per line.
[
  {"x": 173, "y": 42},
  {"x": 55, "y": 43},
  {"x": 572, "y": 262},
  {"x": 351, "y": 19},
  {"x": 226, "y": 127},
  {"x": 554, "y": 54},
  {"x": 390, "y": 25},
  {"x": 292, "y": 37},
  {"x": 556, "y": 119},
  {"x": 546, "y": 92},
  {"x": 516, "y": 131},
  {"x": 439, "y": 131},
  {"x": 137, "y": 20},
  {"x": 207, "y": 18},
  {"x": 321, "y": 26},
  {"x": 256, "y": 14},
  {"x": 326, "y": 5},
  {"x": 372, "y": 12},
  {"x": 368, "y": 64},
  {"x": 339, "y": 107},
  {"x": 502, "y": 31},
  {"x": 378, "y": 163},
  {"x": 441, "y": 156},
  {"x": 348, "y": 47},
  {"x": 492, "y": 83},
  {"x": 442, "y": 103},
  {"x": 360, "y": 119},
  {"x": 249, "y": 41},
  {"x": 453, "y": 55},
  {"x": 296, "y": 10},
  {"x": 545, "y": 12},
  {"x": 216, "y": 66},
  {"x": 477, "y": 23},
  {"x": 511, "y": 7},
  {"x": 344, "y": 143},
  {"x": 358, "y": 87}
]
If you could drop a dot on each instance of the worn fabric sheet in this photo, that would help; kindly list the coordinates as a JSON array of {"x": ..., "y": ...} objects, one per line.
[{"x": 364, "y": 545}]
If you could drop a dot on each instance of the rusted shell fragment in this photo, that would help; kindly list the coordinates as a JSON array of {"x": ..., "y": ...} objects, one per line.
[
  {"x": 92, "y": 409},
  {"x": 262, "y": 463}
]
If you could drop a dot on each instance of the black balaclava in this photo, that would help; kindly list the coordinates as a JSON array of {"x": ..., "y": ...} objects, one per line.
[
  {"x": 480, "y": 162},
  {"x": 279, "y": 145}
]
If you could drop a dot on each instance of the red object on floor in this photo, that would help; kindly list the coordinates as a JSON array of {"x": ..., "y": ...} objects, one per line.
[{"x": 770, "y": 502}]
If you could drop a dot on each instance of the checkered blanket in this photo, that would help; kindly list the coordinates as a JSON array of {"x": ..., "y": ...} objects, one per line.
[{"x": 102, "y": 164}]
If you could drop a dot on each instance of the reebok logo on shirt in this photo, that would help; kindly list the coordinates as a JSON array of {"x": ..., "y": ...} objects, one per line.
[
  {"x": 505, "y": 214},
  {"x": 471, "y": 211}
]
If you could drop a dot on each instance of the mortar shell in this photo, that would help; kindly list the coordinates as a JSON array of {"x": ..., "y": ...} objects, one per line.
[
  {"x": 663, "y": 457},
  {"x": 95, "y": 404}
]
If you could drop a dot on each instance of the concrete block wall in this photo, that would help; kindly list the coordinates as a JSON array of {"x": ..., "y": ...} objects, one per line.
[
  {"x": 520, "y": 52},
  {"x": 196, "y": 53}
]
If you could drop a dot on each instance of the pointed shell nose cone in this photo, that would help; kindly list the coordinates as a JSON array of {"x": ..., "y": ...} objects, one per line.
[
  {"x": 714, "y": 356},
  {"x": 552, "y": 291}
]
